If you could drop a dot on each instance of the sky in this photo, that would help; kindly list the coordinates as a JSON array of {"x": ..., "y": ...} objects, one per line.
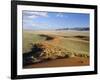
[{"x": 36, "y": 20}]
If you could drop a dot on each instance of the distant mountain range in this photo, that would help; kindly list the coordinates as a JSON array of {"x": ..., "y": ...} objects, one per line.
[{"x": 77, "y": 28}]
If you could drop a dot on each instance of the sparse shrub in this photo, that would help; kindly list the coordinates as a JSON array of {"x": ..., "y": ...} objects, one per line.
[
  {"x": 83, "y": 55},
  {"x": 45, "y": 51},
  {"x": 49, "y": 51}
]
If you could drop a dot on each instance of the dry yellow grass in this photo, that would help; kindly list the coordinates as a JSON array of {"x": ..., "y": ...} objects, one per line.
[{"x": 62, "y": 44}]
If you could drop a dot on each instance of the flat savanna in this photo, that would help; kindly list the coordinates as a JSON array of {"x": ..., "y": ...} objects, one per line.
[{"x": 55, "y": 48}]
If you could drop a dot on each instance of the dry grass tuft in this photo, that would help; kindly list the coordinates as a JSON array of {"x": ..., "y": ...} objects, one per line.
[{"x": 49, "y": 51}]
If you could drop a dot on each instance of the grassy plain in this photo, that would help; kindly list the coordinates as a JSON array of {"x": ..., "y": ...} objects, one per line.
[{"x": 75, "y": 42}]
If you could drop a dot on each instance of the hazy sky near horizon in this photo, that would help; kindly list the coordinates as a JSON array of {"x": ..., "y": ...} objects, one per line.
[{"x": 36, "y": 20}]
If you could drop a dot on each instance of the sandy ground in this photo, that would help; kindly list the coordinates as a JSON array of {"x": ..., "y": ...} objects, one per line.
[{"x": 65, "y": 62}]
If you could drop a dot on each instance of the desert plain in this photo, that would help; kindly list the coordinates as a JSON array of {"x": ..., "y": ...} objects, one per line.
[{"x": 55, "y": 48}]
